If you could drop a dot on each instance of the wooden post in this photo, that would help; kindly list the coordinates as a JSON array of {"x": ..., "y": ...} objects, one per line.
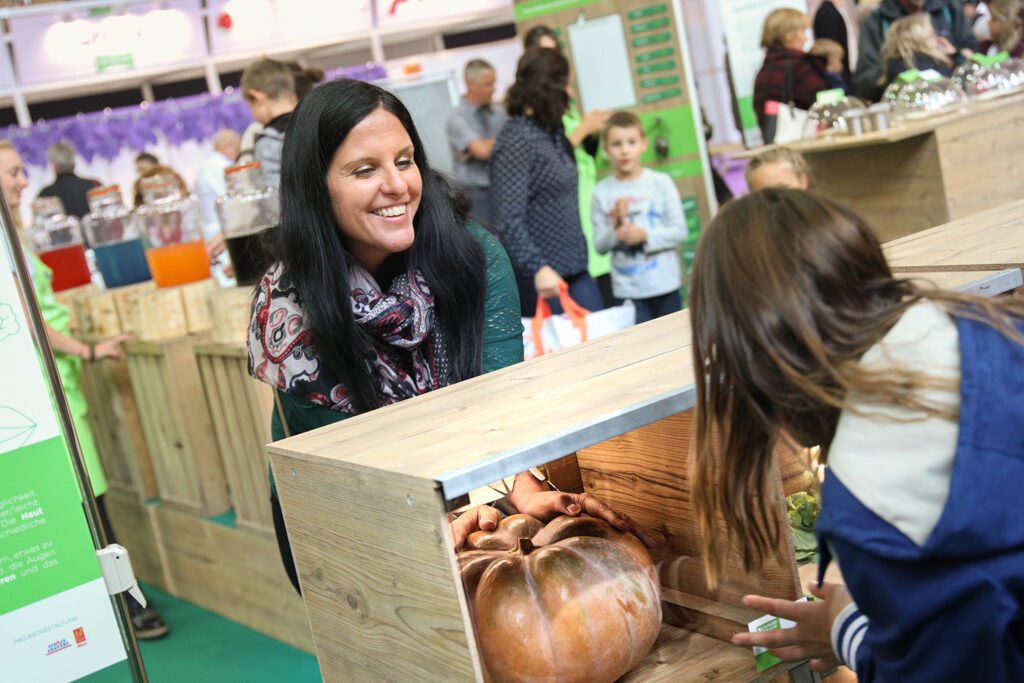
[
  {"x": 240, "y": 410},
  {"x": 176, "y": 421}
]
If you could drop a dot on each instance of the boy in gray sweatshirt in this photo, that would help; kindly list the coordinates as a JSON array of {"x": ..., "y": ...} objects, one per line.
[{"x": 638, "y": 216}]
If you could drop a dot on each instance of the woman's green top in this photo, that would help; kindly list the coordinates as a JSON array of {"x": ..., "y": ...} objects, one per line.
[
  {"x": 586, "y": 166},
  {"x": 57, "y": 316},
  {"x": 503, "y": 338}
]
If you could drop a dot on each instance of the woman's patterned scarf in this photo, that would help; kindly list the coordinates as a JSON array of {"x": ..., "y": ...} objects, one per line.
[{"x": 408, "y": 357}]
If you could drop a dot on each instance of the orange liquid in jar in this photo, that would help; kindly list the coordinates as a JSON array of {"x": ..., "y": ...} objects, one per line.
[
  {"x": 70, "y": 269},
  {"x": 178, "y": 264}
]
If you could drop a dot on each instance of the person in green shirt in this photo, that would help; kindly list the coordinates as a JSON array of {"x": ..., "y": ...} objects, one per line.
[
  {"x": 68, "y": 354},
  {"x": 381, "y": 290}
]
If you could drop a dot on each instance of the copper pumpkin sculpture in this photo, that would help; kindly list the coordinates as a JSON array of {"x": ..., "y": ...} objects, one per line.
[{"x": 573, "y": 600}]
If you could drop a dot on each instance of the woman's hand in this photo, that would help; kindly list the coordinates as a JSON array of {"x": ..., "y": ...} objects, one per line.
[
  {"x": 215, "y": 246},
  {"x": 946, "y": 47},
  {"x": 110, "y": 348},
  {"x": 546, "y": 281},
  {"x": 811, "y": 637},
  {"x": 479, "y": 518},
  {"x": 546, "y": 505}
]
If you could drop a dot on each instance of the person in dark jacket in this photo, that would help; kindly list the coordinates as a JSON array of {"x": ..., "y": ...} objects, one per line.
[
  {"x": 789, "y": 74},
  {"x": 947, "y": 17},
  {"x": 833, "y": 22},
  {"x": 69, "y": 187}
]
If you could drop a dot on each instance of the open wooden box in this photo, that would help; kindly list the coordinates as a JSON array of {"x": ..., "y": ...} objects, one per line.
[{"x": 364, "y": 503}]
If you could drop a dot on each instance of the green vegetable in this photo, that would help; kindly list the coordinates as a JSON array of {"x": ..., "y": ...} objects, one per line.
[{"x": 803, "y": 510}]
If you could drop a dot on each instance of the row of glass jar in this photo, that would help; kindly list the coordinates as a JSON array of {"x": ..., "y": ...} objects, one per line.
[
  {"x": 162, "y": 239},
  {"x": 917, "y": 98}
]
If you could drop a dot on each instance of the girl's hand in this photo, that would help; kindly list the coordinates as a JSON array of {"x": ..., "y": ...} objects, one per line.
[
  {"x": 110, "y": 348},
  {"x": 945, "y": 46},
  {"x": 811, "y": 637}
]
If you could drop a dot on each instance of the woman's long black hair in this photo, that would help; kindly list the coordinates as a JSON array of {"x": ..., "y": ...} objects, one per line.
[{"x": 316, "y": 260}]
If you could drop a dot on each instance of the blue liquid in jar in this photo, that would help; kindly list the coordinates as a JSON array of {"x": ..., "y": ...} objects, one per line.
[{"x": 122, "y": 263}]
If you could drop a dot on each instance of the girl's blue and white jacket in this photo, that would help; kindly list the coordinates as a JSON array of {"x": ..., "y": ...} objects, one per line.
[{"x": 926, "y": 518}]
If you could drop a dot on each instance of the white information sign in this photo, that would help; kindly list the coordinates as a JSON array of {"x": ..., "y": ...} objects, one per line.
[
  {"x": 256, "y": 26},
  {"x": 601, "y": 58},
  {"x": 57, "y": 622}
]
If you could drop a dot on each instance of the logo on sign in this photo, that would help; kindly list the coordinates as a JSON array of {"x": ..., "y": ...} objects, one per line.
[
  {"x": 57, "y": 646},
  {"x": 79, "y": 636}
]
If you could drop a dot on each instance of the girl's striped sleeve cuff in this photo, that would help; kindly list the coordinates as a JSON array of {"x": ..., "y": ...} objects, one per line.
[{"x": 848, "y": 631}]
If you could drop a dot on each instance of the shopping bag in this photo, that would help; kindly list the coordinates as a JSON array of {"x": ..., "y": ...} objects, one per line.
[
  {"x": 789, "y": 124},
  {"x": 546, "y": 332}
]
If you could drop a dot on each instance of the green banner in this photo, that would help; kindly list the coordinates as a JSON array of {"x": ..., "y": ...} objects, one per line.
[
  {"x": 45, "y": 547},
  {"x": 538, "y": 8},
  {"x": 748, "y": 117},
  {"x": 647, "y": 11},
  {"x": 677, "y": 127}
]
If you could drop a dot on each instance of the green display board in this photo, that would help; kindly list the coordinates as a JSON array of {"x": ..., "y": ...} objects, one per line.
[{"x": 57, "y": 622}]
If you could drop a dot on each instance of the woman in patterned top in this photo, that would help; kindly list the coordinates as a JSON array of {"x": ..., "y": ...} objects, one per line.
[
  {"x": 534, "y": 184},
  {"x": 381, "y": 291}
]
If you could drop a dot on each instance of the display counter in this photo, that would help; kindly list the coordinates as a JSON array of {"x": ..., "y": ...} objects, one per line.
[
  {"x": 923, "y": 173},
  {"x": 364, "y": 503},
  {"x": 992, "y": 240}
]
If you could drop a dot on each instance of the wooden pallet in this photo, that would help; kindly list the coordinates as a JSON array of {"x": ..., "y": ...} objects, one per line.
[
  {"x": 176, "y": 421},
  {"x": 240, "y": 409},
  {"x": 117, "y": 428}
]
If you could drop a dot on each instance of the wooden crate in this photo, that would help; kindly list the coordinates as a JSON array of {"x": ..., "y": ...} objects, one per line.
[
  {"x": 176, "y": 421},
  {"x": 67, "y": 297},
  {"x": 105, "y": 313},
  {"x": 364, "y": 504},
  {"x": 230, "y": 309},
  {"x": 117, "y": 429},
  {"x": 240, "y": 409},
  {"x": 170, "y": 312}
]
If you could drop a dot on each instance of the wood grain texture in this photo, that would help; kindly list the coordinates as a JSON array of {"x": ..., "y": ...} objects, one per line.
[
  {"x": 229, "y": 311},
  {"x": 193, "y": 297},
  {"x": 158, "y": 314},
  {"x": 240, "y": 408},
  {"x": 682, "y": 656},
  {"x": 96, "y": 314},
  {"x": 378, "y": 575},
  {"x": 990, "y": 240},
  {"x": 497, "y": 413},
  {"x": 645, "y": 473},
  {"x": 135, "y": 527},
  {"x": 117, "y": 428},
  {"x": 899, "y": 188},
  {"x": 176, "y": 422},
  {"x": 67, "y": 298},
  {"x": 233, "y": 572}
]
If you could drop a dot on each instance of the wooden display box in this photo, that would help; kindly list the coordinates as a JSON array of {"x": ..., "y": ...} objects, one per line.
[
  {"x": 117, "y": 428},
  {"x": 105, "y": 313},
  {"x": 364, "y": 505},
  {"x": 170, "y": 312},
  {"x": 240, "y": 410},
  {"x": 176, "y": 421}
]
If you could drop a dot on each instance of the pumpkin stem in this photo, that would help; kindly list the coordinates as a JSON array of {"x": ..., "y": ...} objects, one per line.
[{"x": 524, "y": 546}]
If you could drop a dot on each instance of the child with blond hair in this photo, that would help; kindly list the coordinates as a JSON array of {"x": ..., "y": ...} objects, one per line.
[{"x": 912, "y": 43}]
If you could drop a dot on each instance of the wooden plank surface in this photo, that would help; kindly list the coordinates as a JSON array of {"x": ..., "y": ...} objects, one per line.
[
  {"x": 240, "y": 408},
  {"x": 176, "y": 422},
  {"x": 234, "y": 573},
  {"x": 493, "y": 416},
  {"x": 117, "y": 428},
  {"x": 373, "y": 552},
  {"x": 991, "y": 240},
  {"x": 135, "y": 527}
]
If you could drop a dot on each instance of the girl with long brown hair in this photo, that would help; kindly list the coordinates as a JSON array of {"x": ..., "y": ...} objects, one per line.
[{"x": 915, "y": 397}]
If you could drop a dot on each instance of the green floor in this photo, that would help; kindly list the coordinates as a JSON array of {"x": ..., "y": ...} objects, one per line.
[{"x": 203, "y": 646}]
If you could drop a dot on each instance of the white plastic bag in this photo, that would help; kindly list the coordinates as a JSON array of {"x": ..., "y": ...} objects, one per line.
[{"x": 546, "y": 332}]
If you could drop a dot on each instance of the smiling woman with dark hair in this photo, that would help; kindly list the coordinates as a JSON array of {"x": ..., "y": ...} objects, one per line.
[{"x": 381, "y": 290}]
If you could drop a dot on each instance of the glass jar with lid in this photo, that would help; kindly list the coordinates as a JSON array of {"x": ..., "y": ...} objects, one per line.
[
  {"x": 247, "y": 212},
  {"x": 57, "y": 240},
  {"x": 116, "y": 238},
  {"x": 829, "y": 115},
  {"x": 176, "y": 251},
  {"x": 922, "y": 98}
]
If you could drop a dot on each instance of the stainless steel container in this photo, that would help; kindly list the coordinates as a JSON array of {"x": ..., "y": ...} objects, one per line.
[{"x": 880, "y": 115}]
